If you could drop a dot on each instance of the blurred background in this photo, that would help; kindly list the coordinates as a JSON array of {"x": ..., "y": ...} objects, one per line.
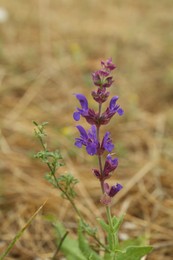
[{"x": 48, "y": 50}]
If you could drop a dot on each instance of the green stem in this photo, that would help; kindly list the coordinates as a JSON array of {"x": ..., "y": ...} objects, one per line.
[
  {"x": 108, "y": 211},
  {"x": 68, "y": 197},
  {"x": 101, "y": 244},
  {"x": 52, "y": 170},
  {"x": 59, "y": 246},
  {"x": 57, "y": 184},
  {"x": 109, "y": 217}
]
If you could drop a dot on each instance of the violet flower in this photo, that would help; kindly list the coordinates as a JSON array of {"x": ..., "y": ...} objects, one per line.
[
  {"x": 106, "y": 143},
  {"x": 110, "y": 165},
  {"x": 111, "y": 111},
  {"x": 111, "y": 191},
  {"x": 84, "y": 110},
  {"x": 89, "y": 114},
  {"x": 108, "y": 64},
  {"x": 102, "y": 79},
  {"x": 100, "y": 96},
  {"x": 113, "y": 107},
  {"x": 88, "y": 139}
]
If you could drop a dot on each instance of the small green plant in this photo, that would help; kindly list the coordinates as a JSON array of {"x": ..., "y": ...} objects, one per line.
[{"x": 81, "y": 248}]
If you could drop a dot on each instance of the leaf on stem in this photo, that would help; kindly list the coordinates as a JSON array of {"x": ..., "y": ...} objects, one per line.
[
  {"x": 134, "y": 253},
  {"x": 87, "y": 251},
  {"x": 117, "y": 223},
  {"x": 104, "y": 225},
  {"x": 20, "y": 233}
]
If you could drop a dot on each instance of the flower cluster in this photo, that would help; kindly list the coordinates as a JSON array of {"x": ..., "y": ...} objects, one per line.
[{"x": 103, "y": 80}]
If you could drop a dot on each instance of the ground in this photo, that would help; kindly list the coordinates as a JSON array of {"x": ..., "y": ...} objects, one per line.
[{"x": 48, "y": 50}]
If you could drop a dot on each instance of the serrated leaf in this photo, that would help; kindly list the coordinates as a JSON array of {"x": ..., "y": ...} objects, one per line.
[
  {"x": 104, "y": 225},
  {"x": 88, "y": 229},
  {"x": 117, "y": 223},
  {"x": 87, "y": 251},
  {"x": 134, "y": 253}
]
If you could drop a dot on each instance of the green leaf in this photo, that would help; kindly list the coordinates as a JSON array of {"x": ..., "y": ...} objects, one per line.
[
  {"x": 48, "y": 176},
  {"x": 20, "y": 233},
  {"x": 87, "y": 251},
  {"x": 134, "y": 253},
  {"x": 67, "y": 183},
  {"x": 88, "y": 229},
  {"x": 70, "y": 246},
  {"x": 139, "y": 241},
  {"x": 109, "y": 256},
  {"x": 104, "y": 225},
  {"x": 117, "y": 223}
]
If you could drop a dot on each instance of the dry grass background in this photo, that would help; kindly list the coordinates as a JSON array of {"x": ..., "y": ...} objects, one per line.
[{"x": 48, "y": 50}]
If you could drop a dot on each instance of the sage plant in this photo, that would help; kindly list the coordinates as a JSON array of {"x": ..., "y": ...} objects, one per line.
[
  {"x": 102, "y": 147},
  {"x": 91, "y": 139},
  {"x": 97, "y": 145}
]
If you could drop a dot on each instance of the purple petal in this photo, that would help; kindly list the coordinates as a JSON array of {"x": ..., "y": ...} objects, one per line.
[
  {"x": 103, "y": 73},
  {"x": 114, "y": 161},
  {"x": 106, "y": 187},
  {"x": 109, "y": 147},
  {"x": 110, "y": 165},
  {"x": 91, "y": 148},
  {"x": 83, "y": 101},
  {"x": 82, "y": 132},
  {"x": 113, "y": 102},
  {"x": 120, "y": 111},
  {"x": 92, "y": 133},
  {"x": 96, "y": 173},
  {"x": 115, "y": 189},
  {"x": 78, "y": 143},
  {"x": 107, "y": 142},
  {"x": 108, "y": 64},
  {"x": 76, "y": 116}
]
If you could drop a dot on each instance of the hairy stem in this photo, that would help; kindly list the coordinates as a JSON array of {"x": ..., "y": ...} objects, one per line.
[
  {"x": 52, "y": 170},
  {"x": 108, "y": 211}
]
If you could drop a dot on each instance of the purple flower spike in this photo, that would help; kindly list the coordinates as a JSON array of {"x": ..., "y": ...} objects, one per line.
[
  {"x": 110, "y": 165},
  {"x": 91, "y": 139},
  {"x": 84, "y": 110},
  {"x": 88, "y": 139}
]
